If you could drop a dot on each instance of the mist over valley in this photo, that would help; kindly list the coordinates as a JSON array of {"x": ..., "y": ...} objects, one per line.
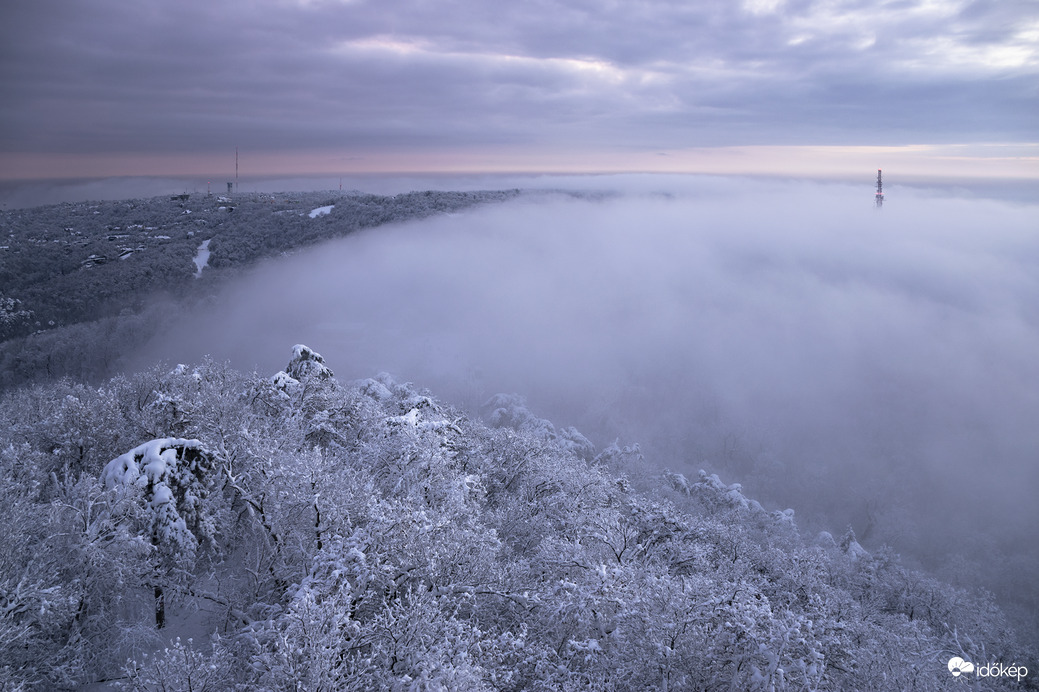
[{"x": 871, "y": 368}]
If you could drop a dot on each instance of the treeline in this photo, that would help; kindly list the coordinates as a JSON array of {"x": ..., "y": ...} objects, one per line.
[
  {"x": 208, "y": 529},
  {"x": 85, "y": 351}
]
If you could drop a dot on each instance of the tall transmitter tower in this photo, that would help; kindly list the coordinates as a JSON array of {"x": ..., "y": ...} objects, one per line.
[{"x": 880, "y": 191}]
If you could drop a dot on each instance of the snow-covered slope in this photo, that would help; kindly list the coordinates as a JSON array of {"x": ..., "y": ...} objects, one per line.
[{"x": 363, "y": 535}]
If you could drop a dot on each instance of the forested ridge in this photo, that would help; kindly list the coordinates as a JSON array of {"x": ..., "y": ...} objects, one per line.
[
  {"x": 207, "y": 529},
  {"x": 80, "y": 282}
]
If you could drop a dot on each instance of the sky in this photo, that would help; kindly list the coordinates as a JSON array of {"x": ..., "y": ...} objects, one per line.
[{"x": 795, "y": 87}]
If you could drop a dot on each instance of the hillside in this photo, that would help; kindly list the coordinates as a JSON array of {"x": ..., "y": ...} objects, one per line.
[
  {"x": 210, "y": 529},
  {"x": 82, "y": 281}
]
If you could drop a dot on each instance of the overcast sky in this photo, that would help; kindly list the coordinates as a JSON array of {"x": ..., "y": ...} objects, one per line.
[{"x": 109, "y": 87}]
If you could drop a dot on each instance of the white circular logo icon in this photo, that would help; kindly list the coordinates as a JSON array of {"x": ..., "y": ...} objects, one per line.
[{"x": 957, "y": 666}]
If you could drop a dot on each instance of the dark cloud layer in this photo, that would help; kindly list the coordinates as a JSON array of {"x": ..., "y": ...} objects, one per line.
[
  {"x": 283, "y": 75},
  {"x": 837, "y": 359}
]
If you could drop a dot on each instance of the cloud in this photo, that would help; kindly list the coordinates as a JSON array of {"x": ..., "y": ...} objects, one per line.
[
  {"x": 154, "y": 78},
  {"x": 831, "y": 357}
]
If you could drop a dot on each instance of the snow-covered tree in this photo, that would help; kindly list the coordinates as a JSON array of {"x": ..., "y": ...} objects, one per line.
[
  {"x": 510, "y": 411},
  {"x": 364, "y": 535},
  {"x": 67, "y": 564},
  {"x": 174, "y": 477},
  {"x": 13, "y": 316}
]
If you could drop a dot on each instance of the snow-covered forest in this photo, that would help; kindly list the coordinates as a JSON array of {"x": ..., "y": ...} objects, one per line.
[
  {"x": 207, "y": 529},
  {"x": 81, "y": 284}
]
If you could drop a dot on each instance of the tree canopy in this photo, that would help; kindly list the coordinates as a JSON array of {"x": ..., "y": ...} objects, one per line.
[{"x": 303, "y": 533}]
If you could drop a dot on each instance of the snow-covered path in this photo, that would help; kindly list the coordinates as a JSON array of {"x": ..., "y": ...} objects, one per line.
[{"x": 202, "y": 257}]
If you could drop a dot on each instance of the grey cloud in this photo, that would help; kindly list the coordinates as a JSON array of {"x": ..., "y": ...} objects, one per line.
[{"x": 107, "y": 76}]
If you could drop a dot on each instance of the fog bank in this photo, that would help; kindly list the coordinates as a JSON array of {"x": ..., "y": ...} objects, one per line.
[
  {"x": 872, "y": 367},
  {"x": 18, "y": 194}
]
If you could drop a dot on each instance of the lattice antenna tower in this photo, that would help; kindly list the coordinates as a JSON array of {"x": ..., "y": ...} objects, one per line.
[
  {"x": 234, "y": 185},
  {"x": 880, "y": 190}
]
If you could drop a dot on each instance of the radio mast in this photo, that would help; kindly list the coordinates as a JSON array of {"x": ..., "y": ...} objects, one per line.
[{"x": 880, "y": 190}]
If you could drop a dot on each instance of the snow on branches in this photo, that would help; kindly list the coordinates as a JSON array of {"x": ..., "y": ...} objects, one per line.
[
  {"x": 510, "y": 411},
  {"x": 307, "y": 362},
  {"x": 175, "y": 476},
  {"x": 372, "y": 537}
]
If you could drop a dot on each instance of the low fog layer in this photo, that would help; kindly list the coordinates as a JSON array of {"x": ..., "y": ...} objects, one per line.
[
  {"x": 872, "y": 368},
  {"x": 16, "y": 194}
]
